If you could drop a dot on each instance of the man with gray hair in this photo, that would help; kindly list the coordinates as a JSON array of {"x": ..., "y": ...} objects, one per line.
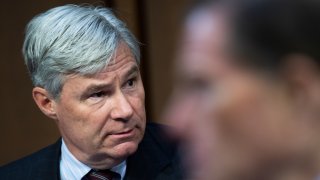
[{"x": 84, "y": 64}]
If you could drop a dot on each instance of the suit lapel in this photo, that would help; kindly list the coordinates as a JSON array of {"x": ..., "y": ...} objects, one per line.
[
  {"x": 51, "y": 162},
  {"x": 148, "y": 162}
]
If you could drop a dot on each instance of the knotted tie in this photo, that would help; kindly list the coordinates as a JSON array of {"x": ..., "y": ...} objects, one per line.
[{"x": 101, "y": 175}]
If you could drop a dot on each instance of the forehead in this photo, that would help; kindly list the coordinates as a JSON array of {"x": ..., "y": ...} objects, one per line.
[
  {"x": 203, "y": 45},
  {"x": 205, "y": 26},
  {"x": 122, "y": 62},
  {"x": 122, "y": 57}
]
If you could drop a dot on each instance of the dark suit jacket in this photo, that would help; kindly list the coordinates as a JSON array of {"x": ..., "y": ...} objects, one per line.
[{"x": 155, "y": 158}]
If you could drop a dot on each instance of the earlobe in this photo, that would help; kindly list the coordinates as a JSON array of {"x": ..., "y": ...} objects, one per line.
[{"x": 44, "y": 101}]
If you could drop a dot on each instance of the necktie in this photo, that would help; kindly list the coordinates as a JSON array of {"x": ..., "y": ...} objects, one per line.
[{"x": 101, "y": 175}]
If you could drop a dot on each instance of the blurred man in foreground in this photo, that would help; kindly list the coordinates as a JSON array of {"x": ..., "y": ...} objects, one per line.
[
  {"x": 247, "y": 96},
  {"x": 84, "y": 64}
]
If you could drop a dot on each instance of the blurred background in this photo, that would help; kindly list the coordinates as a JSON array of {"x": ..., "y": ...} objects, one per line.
[{"x": 24, "y": 129}]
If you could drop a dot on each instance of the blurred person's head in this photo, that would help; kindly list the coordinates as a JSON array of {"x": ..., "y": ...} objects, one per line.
[{"x": 247, "y": 96}]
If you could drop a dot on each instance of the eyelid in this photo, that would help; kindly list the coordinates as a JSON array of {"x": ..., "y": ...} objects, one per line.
[
  {"x": 133, "y": 78},
  {"x": 98, "y": 92},
  {"x": 91, "y": 93}
]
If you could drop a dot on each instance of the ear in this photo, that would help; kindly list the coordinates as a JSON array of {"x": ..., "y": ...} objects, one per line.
[
  {"x": 302, "y": 74},
  {"x": 44, "y": 101}
]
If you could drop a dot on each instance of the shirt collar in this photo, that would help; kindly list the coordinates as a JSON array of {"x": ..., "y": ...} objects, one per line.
[
  {"x": 120, "y": 169},
  {"x": 72, "y": 168}
]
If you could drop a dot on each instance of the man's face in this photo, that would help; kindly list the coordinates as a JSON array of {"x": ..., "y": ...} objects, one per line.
[
  {"x": 229, "y": 117},
  {"x": 103, "y": 116},
  {"x": 201, "y": 63}
]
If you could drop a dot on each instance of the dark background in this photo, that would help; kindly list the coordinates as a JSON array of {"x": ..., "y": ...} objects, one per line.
[{"x": 24, "y": 129}]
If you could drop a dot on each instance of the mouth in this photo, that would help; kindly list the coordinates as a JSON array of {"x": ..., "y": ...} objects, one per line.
[{"x": 124, "y": 134}]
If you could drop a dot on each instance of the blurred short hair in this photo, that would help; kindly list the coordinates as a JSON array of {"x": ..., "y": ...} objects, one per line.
[
  {"x": 265, "y": 31},
  {"x": 262, "y": 32}
]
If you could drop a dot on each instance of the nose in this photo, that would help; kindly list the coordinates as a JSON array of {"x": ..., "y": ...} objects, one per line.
[{"x": 122, "y": 109}]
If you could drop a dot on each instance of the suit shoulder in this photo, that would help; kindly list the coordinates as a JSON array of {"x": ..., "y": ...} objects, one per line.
[
  {"x": 32, "y": 165},
  {"x": 156, "y": 136}
]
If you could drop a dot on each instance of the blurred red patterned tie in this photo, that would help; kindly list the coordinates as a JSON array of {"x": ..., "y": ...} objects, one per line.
[{"x": 101, "y": 175}]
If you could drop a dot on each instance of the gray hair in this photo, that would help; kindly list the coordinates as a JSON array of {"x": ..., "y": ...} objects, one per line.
[{"x": 72, "y": 39}]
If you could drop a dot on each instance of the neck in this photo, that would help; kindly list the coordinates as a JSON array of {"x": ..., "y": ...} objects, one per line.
[{"x": 96, "y": 161}]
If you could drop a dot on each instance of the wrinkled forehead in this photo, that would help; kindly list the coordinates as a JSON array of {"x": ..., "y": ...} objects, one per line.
[
  {"x": 204, "y": 42},
  {"x": 203, "y": 25}
]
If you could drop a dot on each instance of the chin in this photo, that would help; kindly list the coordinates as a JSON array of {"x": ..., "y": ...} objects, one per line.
[{"x": 125, "y": 149}]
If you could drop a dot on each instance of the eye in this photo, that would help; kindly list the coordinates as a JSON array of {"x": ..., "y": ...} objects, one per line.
[
  {"x": 131, "y": 82},
  {"x": 98, "y": 94},
  {"x": 196, "y": 86}
]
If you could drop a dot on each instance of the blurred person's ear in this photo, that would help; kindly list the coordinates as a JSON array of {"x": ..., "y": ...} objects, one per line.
[
  {"x": 302, "y": 74},
  {"x": 44, "y": 101}
]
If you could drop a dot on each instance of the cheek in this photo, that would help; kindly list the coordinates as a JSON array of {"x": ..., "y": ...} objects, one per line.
[
  {"x": 236, "y": 109},
  {"x": 137, "y": 101},
  {"x": 72, "y": 126},
  {"x": 81, "y": 121},
  {"x": 250, "y": 114},
  {"x": 69, "y": 115}
]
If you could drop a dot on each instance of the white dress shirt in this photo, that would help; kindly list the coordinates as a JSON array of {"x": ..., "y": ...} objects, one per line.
[{"x": 73, "y": 169}]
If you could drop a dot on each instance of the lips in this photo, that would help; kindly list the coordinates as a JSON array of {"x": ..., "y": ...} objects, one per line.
[{"x": 124, "y": 134}]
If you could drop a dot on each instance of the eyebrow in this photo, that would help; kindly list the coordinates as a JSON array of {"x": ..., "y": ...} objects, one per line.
[
  {"x": 134, "y": 69},
  {"x": 97, "y": 87},
  {"x": 93, "y": 88}
]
